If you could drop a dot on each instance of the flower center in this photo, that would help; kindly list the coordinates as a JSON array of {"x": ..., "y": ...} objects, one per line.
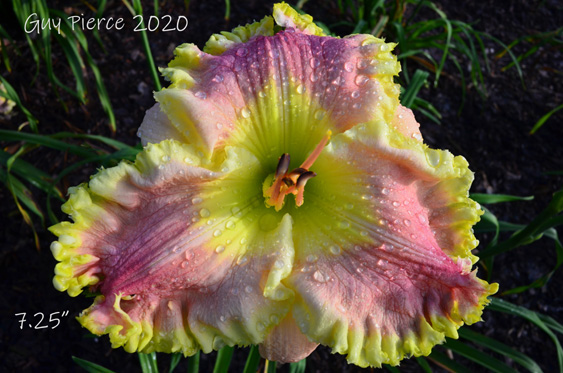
[{"x": 292, "y": 182}]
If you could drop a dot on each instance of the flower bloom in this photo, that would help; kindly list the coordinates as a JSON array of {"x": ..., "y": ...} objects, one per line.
[{"x": 283, "y": 198}]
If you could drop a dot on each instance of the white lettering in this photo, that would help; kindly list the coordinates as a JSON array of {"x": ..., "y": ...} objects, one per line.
[{"x": 36, "y": 24}]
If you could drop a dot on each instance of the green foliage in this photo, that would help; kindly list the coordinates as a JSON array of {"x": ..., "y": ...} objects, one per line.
[
  {"x": 428, "y": 42},
  {"x": 73, "y": 45}
]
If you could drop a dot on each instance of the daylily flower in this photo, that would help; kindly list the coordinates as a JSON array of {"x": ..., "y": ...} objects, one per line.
[{"x": 283, "y": 198}]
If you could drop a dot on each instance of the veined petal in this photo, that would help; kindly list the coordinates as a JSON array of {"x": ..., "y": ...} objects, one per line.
[
  {"x": 157, "y": 237},
  {"x": 383, "y": 248},
  {"x": 305, "y": 84}
]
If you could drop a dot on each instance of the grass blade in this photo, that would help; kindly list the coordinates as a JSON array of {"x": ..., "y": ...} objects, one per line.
[
  {"x": 148, "y": 362},
  {"x": 223, "y": 360},
  {"x": 410, "y": 93},
  {"x": 544, "y": 119},
  {"x": 501, "y": 348},
  {"x": 534, "y": 317},
  {"x": 252, "y": 360},
  {"x": 489, "y": 362},
  {"x": 442, "y": 360},
  {"x": 298, "y": 367},
  {"x": 497, "y": 198},
  {"x": 174, "y": 361},
  {"x": 193, "y": 363},
  {"x": 10, "y": 93},
  {"x": 90, "y": 367}
]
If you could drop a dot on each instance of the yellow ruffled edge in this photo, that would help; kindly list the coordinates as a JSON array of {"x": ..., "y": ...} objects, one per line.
[
  {"x": 180, "y": 71},
  {"x": 453, "y": 180},
  {"x": 220, "y": 43},
  {"x": 286, "y": 16},
  {"x": 372, "y": 349},
  {"x": 85, "y": 207}
]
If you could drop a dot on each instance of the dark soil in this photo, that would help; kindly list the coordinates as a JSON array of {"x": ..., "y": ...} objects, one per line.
[{"x": 491, "y": 132}]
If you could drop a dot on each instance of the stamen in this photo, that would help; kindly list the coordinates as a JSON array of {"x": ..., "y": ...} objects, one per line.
[{"x": 293, "y": 182}]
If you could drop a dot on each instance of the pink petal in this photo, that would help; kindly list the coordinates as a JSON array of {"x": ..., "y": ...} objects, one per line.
[
  {"x": 392, "y": 276},
  {"x": 144, "y": 236}
]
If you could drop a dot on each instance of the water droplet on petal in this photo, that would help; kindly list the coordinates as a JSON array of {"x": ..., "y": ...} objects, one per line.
[
  {"x": 241, "y": 52},
  {"x": 311, "y": 258},
  {"x": 355, "y": 94},
  {"x": 165, "y": 158},
  {"x": 349, "y": 66},
  {"x": 218, "y": 78},
  {"x": 245, "y": 112},
  {"x": 320, "y": 277},
  {"x": 335, "y": 250},
  {"x": 300, "y": 89},
  {"x": 219, "y": 249},
  {"x": 197, "y": 200},
  {"x": 361, "y": 80},
  {"x": 385, "y": 191},
  {"x": 421, "y": 218},
  {"x": 217, "y": 233},
  {"x": 279, "y": 264},
  {"x": 314, "y": 62},
  {"x": 319, "y": 114},
  {"x": 396, "y": 204},
  {"x": 248, "y": 289},
  {"x": 230, "y": 224},
  {"x": 204, "y": 213},
  {"x": 201, "y": 94}
]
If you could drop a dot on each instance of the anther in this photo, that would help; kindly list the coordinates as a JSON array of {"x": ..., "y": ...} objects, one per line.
[
  {"x": 283, "y": 165},
  {"x": 303, "y": 178}
]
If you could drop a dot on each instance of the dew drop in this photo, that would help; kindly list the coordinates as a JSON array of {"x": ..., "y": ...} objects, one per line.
[
  {"x": 312, "y": 258},
  {"x": 385, "y": 191},
  {"x": 320, "y": 277},
  {"x": 396, "y": 204},
  {"x": 349, "y": 66},
  {"x": 222, "y": 318},
  {"x": 364, "y": 233},
  {"x": 319, "y": 114},
  {"x": 300, "y": 89},
  {"x": 241, "y": 52},
  {"x": 355, "y": 94},
  {"x": 219, "y": 126},
  {"x": 165, "y": 158},
  {"x": 217, "y": 233},
  {"x": 204, "y": 213},
  {"x": 262, "y": 94},
  {"x": 344, "y": 225},
  {"x": 197, "y": 200},
  {"x": 219, "y": 249},
  {"x": 384, "y": 47},
  {"x": 314, "y": 62},
  {"x": 230, "y": 225},
  {"x": 433, "y": 156},
  {"x": 245, "y": 113},
  {"x": 335, "y": 250},
  {"x": 361, "y": 80},
  {"x": 279, "y": 264},
  {"x": 201, "y": 94},
  {"x": 407, "y": 222},
  {"x": 313, "y": 77},
  {"x": 218, "y": 78},
  {"x": 421, "y": 218},
  {"x": 248, "y": 289}
]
